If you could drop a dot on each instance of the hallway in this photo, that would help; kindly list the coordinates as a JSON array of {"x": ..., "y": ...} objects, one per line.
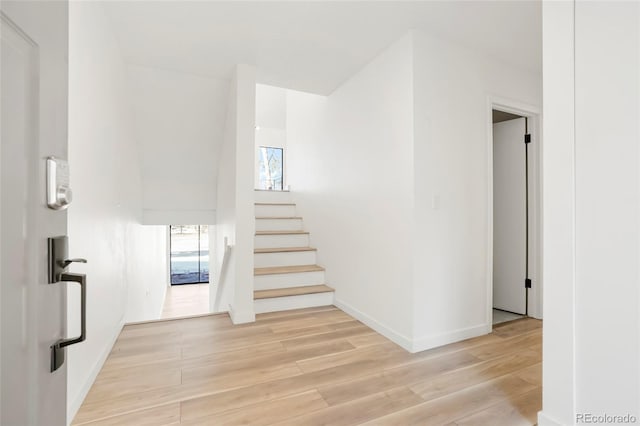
[
  {"x": 312, "y": 366},
  {"x": 186, "y": 300}
]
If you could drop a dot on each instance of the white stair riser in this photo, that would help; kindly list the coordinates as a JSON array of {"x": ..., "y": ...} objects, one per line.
[
  {"x": 276, "y": 304},
  {"x": 293, "y": 258},
  {"x": 272, "y": 197},
  {"x": 281, "y": 241},
  {"x": 269, "y": 282},
  {"x": 275, "y": 210},
  {"x": 278, "y": 224}
]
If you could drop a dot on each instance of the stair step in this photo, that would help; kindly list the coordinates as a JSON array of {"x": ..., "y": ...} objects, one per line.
[
  {"x": 281, "y": 240},
  {"x": 279, "y": 224},
  {"x": 291, "y": 291},
  {"x": 287, "y": 269},
  {"x": 278, "y": 218},
  {"x": 283, "y": 249},
  {"x": 295, "y": 231},
  {"x": 277, "y": 210}
]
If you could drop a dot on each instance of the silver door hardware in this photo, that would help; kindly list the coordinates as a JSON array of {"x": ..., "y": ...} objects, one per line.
[
  {"x": 59, "y": 194},
  {"x": 58, "y": 264}
]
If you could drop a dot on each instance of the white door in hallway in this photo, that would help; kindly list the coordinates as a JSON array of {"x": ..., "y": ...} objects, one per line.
[
  {"x": 509, "y": 216},
  {"x": 34, "y": 126}
]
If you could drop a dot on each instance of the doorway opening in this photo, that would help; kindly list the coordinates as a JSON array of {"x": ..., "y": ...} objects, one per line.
[
  {"x": 514, "y": 287},
  {"x": 189, "y": 254},
  {"x": 188, "y": 292}
]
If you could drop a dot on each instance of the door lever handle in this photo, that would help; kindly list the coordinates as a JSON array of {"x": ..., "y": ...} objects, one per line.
[
  {"x": 57, "y": 350},
  {"x": 68, "y": 262}
]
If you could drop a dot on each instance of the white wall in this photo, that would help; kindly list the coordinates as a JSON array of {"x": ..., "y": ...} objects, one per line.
[
  {"x": 558, "y": 348},
  {"x": 350, "y": 166},
  {"x": 452, "y": 87},
  {"x": 235, "y": 209},
  {"x": 126, "y": 273},
  {"x": 607, "y": 72},
  {"x": 394, "y": 162},
  {"x": 179, "y": 122},
  {"x": 592, "y": 199}
]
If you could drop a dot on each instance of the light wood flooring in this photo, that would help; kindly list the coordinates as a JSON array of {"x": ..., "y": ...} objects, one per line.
[
  {"x": 186, "y": 300},
  {"x": 311, "y": 367}
]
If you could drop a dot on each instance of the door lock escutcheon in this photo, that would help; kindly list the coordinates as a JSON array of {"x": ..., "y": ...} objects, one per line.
[{"x": 58, "y": 263}]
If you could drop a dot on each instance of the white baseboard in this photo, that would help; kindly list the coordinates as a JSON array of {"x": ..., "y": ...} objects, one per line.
[
  {"x": 76, "y": 403},
  {"x": 428, "y": 342},
  {"x": 241, "y": 317},
  {"x": 416, "y": 345},
  {"x": 545, "y": 420},
  {"x": 387, "y": 332}
]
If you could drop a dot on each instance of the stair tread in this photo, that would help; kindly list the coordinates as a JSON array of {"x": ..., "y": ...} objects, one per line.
[
  {"x": 283, "y": 249},
  {"x": 281, "y": 232},
  {"x": 279, "y": 217},
  {"x": 272, "y": 270},
  {"x": 291, "y": 291},
  {"x": 274, "y": 204}
]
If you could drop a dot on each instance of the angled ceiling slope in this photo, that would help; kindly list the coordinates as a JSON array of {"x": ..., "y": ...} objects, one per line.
[{"x": 313, "y": 46}]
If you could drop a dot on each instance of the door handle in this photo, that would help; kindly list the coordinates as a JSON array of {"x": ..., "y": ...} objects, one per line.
[
  {"x": 68, "y": 262},
  {"x": 57, "y": 350}
]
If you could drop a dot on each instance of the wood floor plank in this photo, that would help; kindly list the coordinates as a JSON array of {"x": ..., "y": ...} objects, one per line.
[
  {"x": 312, "y": 321},
  {"x": 463, "y": 378},
  {"x": 106, "y": 388},
  {"x": 368, "y": 340},
  {"x": 263, "y": 414},
  {"x": 326, "y": 337},
  {"x": 360, "y": 410},
  {"x": 309, "y": 366},
  {"x": 302, "y": 354},
  {"x": 405, "y": 375},
  {"x": 223, "y": 380},
  {"x": 185, "y": 300},
  {"x": 518, "y": 411},
  {"x": 236, "y": 398},
  {"x": 292, "y": 337},
  {"x": 513, "y": 328},
  {"x": 509, "y": 345},
  {"x": 321, "y": 362},
  {"x": 299, "y": 313},
  {"x": 167, "y": 355},
  {"x": 532, "y": 374},
  {"x": 165, "y": 415},
  {"x": 241, "y": 354},
  {"x": 467, "y": 401}
]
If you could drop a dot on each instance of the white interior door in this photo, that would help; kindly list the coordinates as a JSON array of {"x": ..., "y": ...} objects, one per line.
[
  {"x": 34, "y": 126},
  {"x": 509, "y": 216}
]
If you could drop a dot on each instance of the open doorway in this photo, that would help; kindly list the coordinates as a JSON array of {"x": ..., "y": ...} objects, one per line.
[
  {"x": 188, "y": 292},
  {"x": 514, "y": 216}
]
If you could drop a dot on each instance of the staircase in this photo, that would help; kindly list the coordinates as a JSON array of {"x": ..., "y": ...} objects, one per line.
[{"x": 286, "y": 275}]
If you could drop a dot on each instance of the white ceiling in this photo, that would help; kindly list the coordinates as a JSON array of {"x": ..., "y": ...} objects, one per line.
[{"x": 313, "y": 46}]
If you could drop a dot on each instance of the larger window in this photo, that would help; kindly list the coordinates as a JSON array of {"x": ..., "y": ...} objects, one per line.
[
  {"x": 271, "y": 168},
  {"x": 189, "y": 254}
]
